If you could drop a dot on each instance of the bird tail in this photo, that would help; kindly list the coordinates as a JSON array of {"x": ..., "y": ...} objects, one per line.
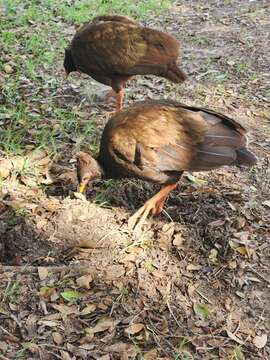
[
  {"x": 175, "y": 74},
  {"x": 69, "y": 64},
  {"x": 245, "y": 157}
]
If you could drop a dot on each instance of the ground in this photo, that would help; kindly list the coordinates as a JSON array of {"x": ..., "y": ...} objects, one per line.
[{"x": 75, "y": 282}]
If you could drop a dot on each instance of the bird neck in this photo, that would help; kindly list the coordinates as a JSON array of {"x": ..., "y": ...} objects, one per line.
[{"x": 99, "y": 169}]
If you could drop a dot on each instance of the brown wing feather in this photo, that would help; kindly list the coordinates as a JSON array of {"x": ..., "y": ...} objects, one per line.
[
  {"x": 157, "y": 140},
  {"x": 112, "y": 51},
  {"x": 119, "y": 18}
]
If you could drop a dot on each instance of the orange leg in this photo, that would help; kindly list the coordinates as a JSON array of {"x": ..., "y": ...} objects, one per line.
[
  {"x": 119, "y": 100},
  {"x": 152, "y": 206}
]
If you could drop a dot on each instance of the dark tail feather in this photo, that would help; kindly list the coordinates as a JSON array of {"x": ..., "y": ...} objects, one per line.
[
  {"x": 175, "y": 74},
  {"x": 245, "y": 157},
  {"x": 68, "y": 62}
]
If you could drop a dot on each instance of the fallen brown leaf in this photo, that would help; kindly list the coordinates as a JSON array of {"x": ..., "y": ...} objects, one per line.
[
  {"x": 42, "y": 272},
  {"x": 88, "y": 309},
  {"x": 84, "y": 281},
  {"x": 57, "y": 338},
  {"x": 65, "y": 355},
  {"x": 151, "y": 355},
  {"x": 134, "y": 328},
  {"x": 65, "y": 309},
  {"x": 193, "y": 267},
  {"x": 260, "y": 341},
  {"x": 234, "y": 337},
  {"x": 103, "y": 324}
]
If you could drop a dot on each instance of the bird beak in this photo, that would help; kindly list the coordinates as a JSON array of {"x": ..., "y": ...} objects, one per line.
[
  {"x": 66, "y": 75},
  {"x": 82, "y": 188}
]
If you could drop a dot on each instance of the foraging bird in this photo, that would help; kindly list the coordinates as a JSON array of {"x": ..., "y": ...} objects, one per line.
[
  {"x": 112, "y": 49},
  {"x": 156, "y": 140}
]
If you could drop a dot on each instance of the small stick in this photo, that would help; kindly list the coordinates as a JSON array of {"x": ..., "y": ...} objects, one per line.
[
  {"x": 204, "y": 297},
  {"x": 170, "y": 310},
  {"x": 258, "y": 274}
]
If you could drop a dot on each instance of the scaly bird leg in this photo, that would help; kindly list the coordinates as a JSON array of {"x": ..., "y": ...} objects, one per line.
[
  {"x": 152, "y": 206},
  {"x": 119, "y": 100}
]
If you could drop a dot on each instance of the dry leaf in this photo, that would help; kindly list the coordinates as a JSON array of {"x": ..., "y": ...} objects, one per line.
[
  {"x": 5, "y": 168},
  {"x": 42, "y": 272},
  {"x": 234, "y": 338},
  {"x": 103, "y": 324},
  {"x": 65, "y": 309},
  {"x": 178, "y": 240},
  {"x": 216, "y": 223},
  {"x": 18, "y": 163},
  {"x": 241, "y": 222},
  {"x": 80, "y": 196},
  {"x": 266, "y": 203},
  {"x": 47, "y": 293},
  {"x": 57, "y": 338},
  {"x": 134, "y": 328},
  {"x": 260, "y": 341},
  {"x": 65, "y": 355},
  {"x": 8, "y": 69},
  {"x": 123, "y": 355},
  {"x": 114, "y": 272},
  {"x": 193, "y": 267},
  {"x": 245, "y": 251},
  {"x": 88, "y": 309},
  {"x": 49, "y": 323},
  {"x": 104, "y": 357},
  {"x": 84, "y": 281},
  {"x": 40, "y": 224},
  {"x": 150, "y": 355}
]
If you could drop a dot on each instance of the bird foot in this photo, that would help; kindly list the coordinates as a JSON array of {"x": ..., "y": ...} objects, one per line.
[
  {"x": 152, "y": 207},
  {"x": 109, "y": 114}
]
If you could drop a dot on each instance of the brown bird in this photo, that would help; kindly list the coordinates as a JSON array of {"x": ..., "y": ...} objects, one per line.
[
  {"x": 158, "y": 140},
  {"x": 112, "y": 49}
]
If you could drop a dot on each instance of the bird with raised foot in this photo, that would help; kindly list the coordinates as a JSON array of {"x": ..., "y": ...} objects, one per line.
[
  {"x": 157, "y": 140},
  {"x": 112, "y": 49}
]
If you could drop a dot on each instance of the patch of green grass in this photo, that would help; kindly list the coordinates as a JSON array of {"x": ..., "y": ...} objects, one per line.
[
  {"x": 182, "y": 352},
  {"x": 80, "y": 11},
  {"x": 32, "y": 41},
  {"x": 12, "y": 291},
  {"x": 236, "y": 354},
  {"x": 24, "y": 351}
]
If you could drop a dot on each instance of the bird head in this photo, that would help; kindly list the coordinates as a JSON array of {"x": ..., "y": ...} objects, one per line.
[{"x": 88, "y": 169}]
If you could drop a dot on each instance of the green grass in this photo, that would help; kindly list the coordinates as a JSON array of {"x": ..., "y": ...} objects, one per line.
[
  {"x": 12, "y": 291},
  {"x": 32, "y": 41}
]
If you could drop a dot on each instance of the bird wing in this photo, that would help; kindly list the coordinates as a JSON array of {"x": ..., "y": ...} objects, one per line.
[
  {"x": 120, "y": 18},
  {"x": 156, "y": 140},
  {"x": 123, "y": 48}
]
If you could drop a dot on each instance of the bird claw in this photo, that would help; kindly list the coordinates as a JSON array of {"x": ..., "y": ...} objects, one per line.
[{"x": 137, "y": 220}]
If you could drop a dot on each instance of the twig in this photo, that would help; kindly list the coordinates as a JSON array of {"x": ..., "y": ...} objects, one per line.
[
  {"x": 33, "y": 269},
  {"x": 52, "y": 346},
  {"x": 115, "y": 302},
  {"x": 204, "y": 297},
  {"x": 167, "y": 214},
  {"x": 157, "y": 340},
  {"x": 14, "y": 338},
  {"x": 258, "y": 274},
  {"x": 54, "y": 354},
  {"x": 171, "y": 312},
  {"x": 3, "y": 357}
]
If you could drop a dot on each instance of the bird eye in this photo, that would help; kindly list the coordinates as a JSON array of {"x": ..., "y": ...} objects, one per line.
[{"x": 160, "y": 45}]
